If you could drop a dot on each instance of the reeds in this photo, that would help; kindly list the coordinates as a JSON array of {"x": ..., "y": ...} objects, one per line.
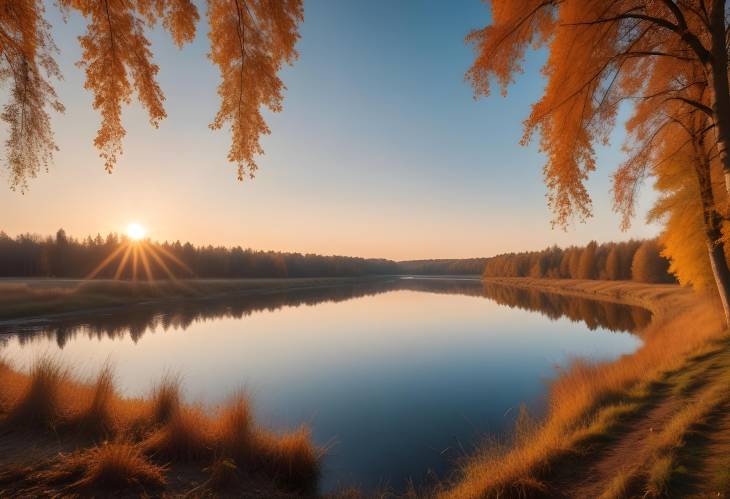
[
  {"x": 113, "y": 466},
  {"x": 146, "y": 433},
  {"x": 40, "y": 403}
]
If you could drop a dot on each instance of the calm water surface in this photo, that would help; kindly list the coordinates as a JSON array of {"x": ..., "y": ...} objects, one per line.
[{"x": 398, "y": 377}]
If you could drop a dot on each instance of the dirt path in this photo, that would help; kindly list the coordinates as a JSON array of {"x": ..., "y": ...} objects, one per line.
[
  {"x": 618, "y": 469},
  {"x": 624, "y": 456},
  {"x": 713, "y": 475}
]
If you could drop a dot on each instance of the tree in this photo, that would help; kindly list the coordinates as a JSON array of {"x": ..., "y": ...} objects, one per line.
[
  {"x": 613, "y": 264},
  {"x": 648, "y": 265},
  {"x": 250, "y": 40},
  {"x": 587, "y": 262},
  {"x": 668, "y": 57}
]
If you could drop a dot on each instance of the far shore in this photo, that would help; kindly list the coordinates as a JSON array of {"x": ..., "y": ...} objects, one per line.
[
  {"x": 30, "y": 299},
  {"x": 44, "y": 298},
  {"x": 658, "y": 298}
]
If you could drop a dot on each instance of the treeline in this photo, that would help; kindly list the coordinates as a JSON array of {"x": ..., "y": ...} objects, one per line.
[
  {"x": 631, "y": 260},
  {"x": 62, "y": 256},
  {"x": 462, "y": 266},
  {"x": 30, "y": 255}
]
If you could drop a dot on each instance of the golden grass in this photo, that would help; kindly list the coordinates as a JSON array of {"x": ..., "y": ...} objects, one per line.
[
  {"x": 663, "y": 447},
  {"x": 98, "y": 418},
  {"x": 160, "y": 429},
  {"x": 40, "y": 403},
  {"x": 683, "y": 325},
  {"x": 619, "y": 486},
  {"x": 165, "y": 399},
  {"x": 721, "y": 480},
  {"x": 184, "y": 437},
  {"x": 113, "y": 466},
  {"x": 288, "y": 458},
  {"x": 660, "y": 474}
]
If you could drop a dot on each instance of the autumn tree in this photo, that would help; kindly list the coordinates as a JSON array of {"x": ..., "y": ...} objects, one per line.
[
  {"x": 668, "y": 57},
  {"x": 250, "y": 41},
  {"x": 648, "y": 264},
  {"x": 587, "y": 262},
  {"x": 613, "y": 269}
]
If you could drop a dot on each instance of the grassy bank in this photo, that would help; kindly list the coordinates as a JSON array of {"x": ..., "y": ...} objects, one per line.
[
  {"x": 22, "y": 299},
  {"x": 593, "y": 440},
  {"x": 62, "y": 437}
]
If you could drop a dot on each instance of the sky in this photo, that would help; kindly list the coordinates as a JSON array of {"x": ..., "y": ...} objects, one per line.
[{"x": 380, "y": 150}]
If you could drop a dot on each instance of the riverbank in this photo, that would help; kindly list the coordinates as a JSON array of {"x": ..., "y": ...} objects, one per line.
[
  {"x": 650, "y": 424},
  {"x": 29, "y": 298},
  {"x": 64, "y": 438}
]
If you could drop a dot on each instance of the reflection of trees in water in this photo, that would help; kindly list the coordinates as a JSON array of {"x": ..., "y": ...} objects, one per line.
[
  {"x": 137, "y": 320},
  {"x": 594, "y": 313}
]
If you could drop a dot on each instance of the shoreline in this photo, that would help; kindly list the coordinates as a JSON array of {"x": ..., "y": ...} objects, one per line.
[
  {"x": 619, "y": 428},
  {"x": 660, "y": 299},
  {"x": 100, "y": 296}
]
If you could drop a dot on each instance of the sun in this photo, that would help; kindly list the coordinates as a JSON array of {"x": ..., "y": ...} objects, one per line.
[{"x": 135, "y": 231}]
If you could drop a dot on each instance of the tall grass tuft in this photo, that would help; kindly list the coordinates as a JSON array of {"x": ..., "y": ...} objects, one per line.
[
  {"x": 110, "y": 467},
  {"x": 185, "y": 437},
  {"x": 291, "y": 460},
  {"x": 40, "y": 404},
  {"x": 98, "y": 419},
  {"x": 235, "y": 432},
  {"x": 166, "y": 399}
]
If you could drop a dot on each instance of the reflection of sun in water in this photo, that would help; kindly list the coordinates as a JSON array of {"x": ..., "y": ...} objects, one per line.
[{"x": 135, "y": 231}]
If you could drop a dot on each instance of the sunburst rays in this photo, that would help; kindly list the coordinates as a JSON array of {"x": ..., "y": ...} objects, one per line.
[{"x": 133, "y": 254}]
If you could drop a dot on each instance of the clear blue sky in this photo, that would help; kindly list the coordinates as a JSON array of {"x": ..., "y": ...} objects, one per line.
[{"x": 380, "y": 149}]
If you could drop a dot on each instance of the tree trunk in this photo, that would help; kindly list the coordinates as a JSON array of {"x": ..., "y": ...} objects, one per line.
[
  {"x": 712, "y": 223},
  {"x": 720, "y": 272},
  {"x": 720, "y": 87}
]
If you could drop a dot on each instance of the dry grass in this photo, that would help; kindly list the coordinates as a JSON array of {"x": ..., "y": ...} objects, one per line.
[
  {"x": 683, "y": 325},
  {"x": 98, "y": 418},
  {"x": 184, "y": 437},
  {"x": 39, "y": 405},
  {"x": 619, "y": 486},
  {"x": 660, "y": 474},
  {"x": 289, "y": 458},
  {"x": 149, "y": 433},
  {"x": 166, "y": 399},
  {"x": 663, "y": 448},
  {"x": 113, "y": 466}
]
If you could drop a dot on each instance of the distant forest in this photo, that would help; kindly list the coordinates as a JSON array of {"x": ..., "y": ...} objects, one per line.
[
  {"x": 30, "y": 255},
  {"x": 462, "y": 266},
  {"x": 62, "y": 256},
  {"x": 631, "y": 260}
]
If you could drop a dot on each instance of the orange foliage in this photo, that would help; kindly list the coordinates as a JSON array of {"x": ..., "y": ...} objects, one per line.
[
  {"x": 26, "y": 59},
  {"x": 250, "y": 40},
  {"x": 600, "y": 54}
]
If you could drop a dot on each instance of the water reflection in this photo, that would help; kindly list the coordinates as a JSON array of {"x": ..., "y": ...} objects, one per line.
[
  {"x": 138, "y": 320},
  {"x": 594, "y": 313},
  {"x": 404, "y": 375}
]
